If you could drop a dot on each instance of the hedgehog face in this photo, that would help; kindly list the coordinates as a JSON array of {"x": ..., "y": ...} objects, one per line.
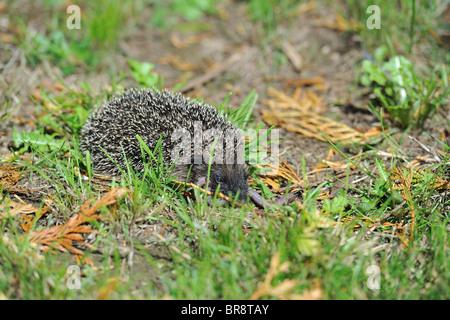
[{"x": 232, "y": 179}]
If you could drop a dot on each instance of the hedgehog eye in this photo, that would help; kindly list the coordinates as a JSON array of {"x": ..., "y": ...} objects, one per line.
[{"x": 219, "y": 180}]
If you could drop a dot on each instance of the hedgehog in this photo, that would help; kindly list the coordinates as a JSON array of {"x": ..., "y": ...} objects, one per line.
[{"x": 194, "y": 139}]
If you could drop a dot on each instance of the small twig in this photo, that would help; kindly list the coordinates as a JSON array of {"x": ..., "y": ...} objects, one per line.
[
  {"x": 341, "y": 175},
  {"x": 296, "y": 81},
  {"x": 11, "y": 61},
  {"x": 387, "y": 215},
  {"x": 284, "y": 163},
  {"x": 199, "y": 81},
  {"x": 424, "y": 147},
  {"x": 292, "y": 54}
]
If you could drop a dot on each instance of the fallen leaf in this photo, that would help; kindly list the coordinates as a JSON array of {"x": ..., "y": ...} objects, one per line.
[
  {"x": 6, "y": 37},
  {"x": 175, "y": 61},
  {"x": 27, "y": 212},
  {"x": 303, "y": 117},
  {"x": 306, "y": 7},
  {"x": 64, "y": 237},
  {"x": 340, "y": 24},
  {"x": 188, "y": 41}
]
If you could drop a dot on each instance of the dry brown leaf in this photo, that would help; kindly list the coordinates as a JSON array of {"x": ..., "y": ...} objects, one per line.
[
  {"x": 105, "y": 291},
  {"x": 306, "y": 7},
  {"x": 301, "y": 117},
  {"x": 63, "y": 237},
  {"x": 298, "y": 82},
  {"x": 27, "y": 212},
  {"x": 338, "y": 165},
  {"x": 28, "y": 219},
  {"x": 188, "y": 41},
  {"x": 55, "y": 87},
  {"x": 368, "y": 222},
  {"x": 435, "y": 36},
  {"x": 109, "y": 198},
  {"x": 340, "y": 24},
  {"x": 175, "y": 61},
  {"x": 6, "y": 38},
  {"x": 280, "y": 170},
  {"x": 403, "y": 183},
  {"x": 9, "y": 176}
]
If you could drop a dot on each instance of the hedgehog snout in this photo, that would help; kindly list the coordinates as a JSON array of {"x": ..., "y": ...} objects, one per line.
[{"x": 231, "y": 180}]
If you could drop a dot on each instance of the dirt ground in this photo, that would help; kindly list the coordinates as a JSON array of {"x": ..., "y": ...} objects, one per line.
[{"x": 325, "y": 52}]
